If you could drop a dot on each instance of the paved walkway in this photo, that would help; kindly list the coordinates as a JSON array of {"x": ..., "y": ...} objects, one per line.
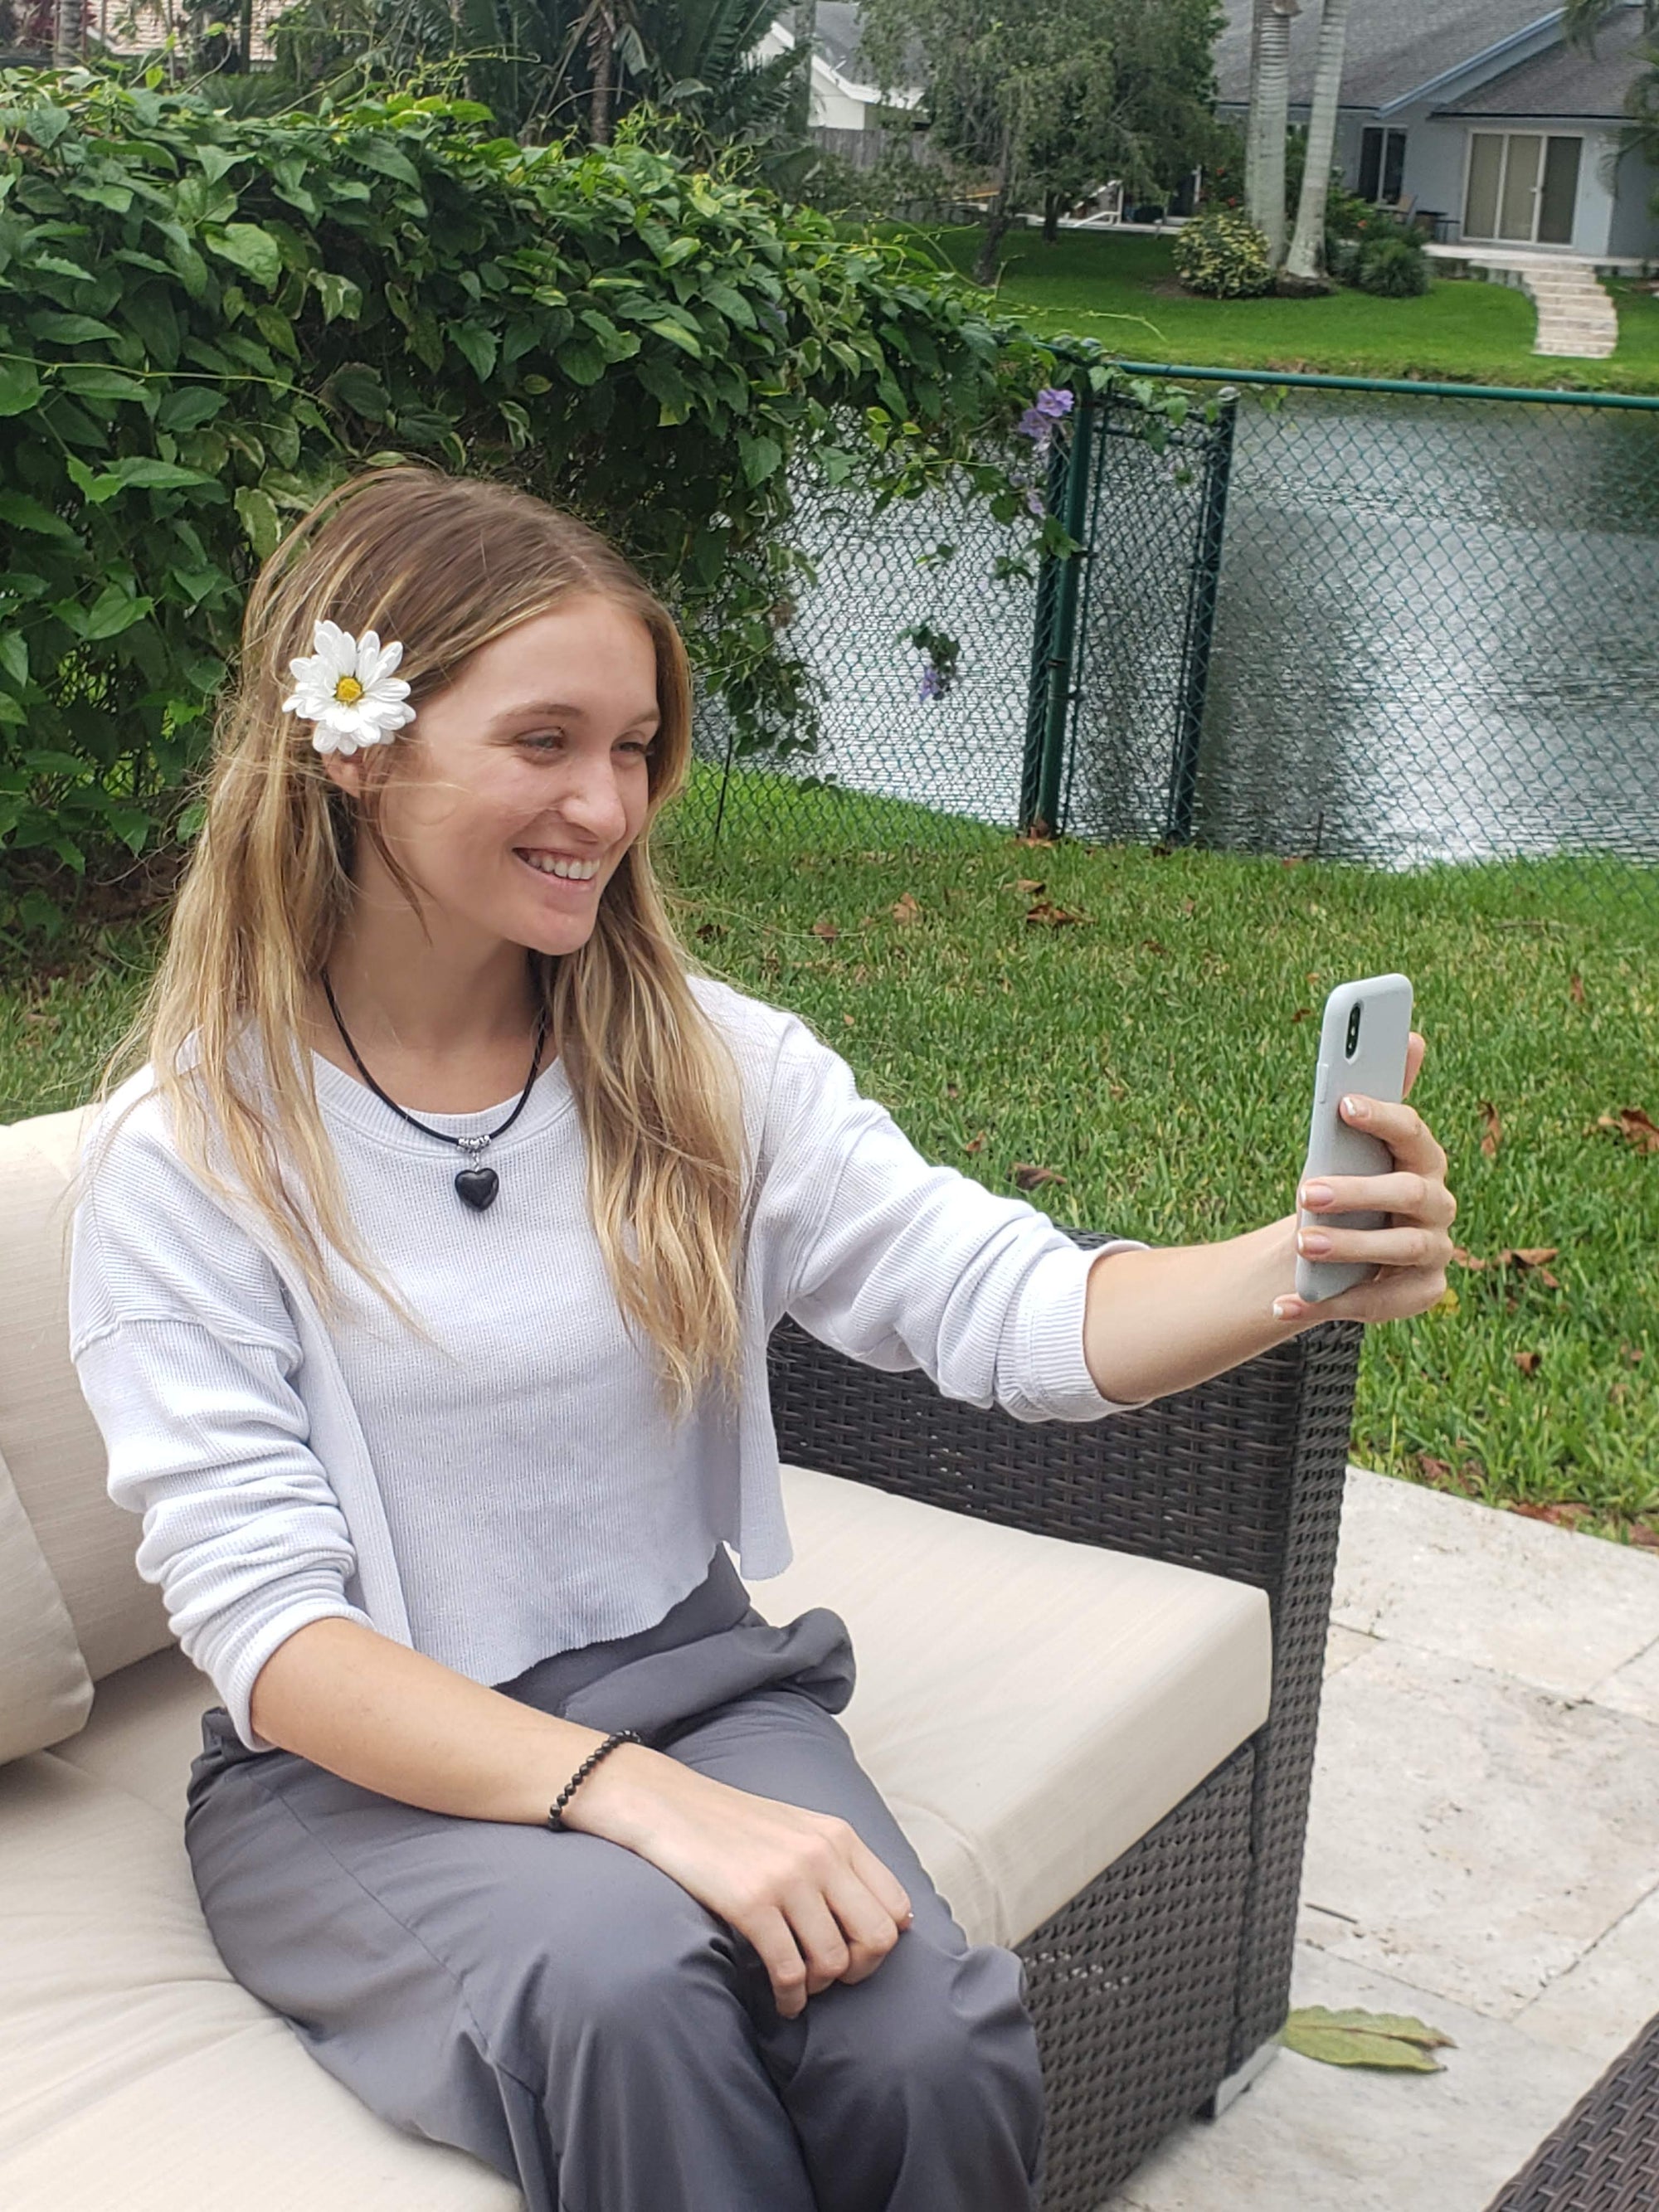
[
  {"x": 1577, "y": 317},
  {"x": 1483, "y": 1851}
]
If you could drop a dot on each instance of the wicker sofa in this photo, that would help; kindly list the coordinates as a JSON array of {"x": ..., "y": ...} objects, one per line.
[{"x": 1090, "y": 1665}]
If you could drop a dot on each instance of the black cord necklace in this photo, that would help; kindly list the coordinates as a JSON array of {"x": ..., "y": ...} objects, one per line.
[{"x": 476, "y": 1185}]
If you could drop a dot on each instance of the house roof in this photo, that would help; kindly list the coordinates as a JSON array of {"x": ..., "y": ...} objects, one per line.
[
  {"x": 835, "y": 36},
  {"x": 1393, "y": 48},
  {"x": 1567, "y": 80}
]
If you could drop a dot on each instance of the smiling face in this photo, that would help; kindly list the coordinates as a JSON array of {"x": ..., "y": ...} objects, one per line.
[{"x": 529, "y": 778}]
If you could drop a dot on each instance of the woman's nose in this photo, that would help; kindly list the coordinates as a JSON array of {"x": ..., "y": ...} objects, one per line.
[{"x": 592, "y": 800}]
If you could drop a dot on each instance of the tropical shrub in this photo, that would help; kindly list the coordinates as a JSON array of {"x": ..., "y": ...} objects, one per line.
[
  {"x": 1223, "y": 255},
  {"x": 1397, "y": 268},
  {"x": 204, "y": 320}
]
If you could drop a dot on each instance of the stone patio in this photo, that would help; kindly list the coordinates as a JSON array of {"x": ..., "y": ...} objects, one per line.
[{"x": 1483, "y": 1851}]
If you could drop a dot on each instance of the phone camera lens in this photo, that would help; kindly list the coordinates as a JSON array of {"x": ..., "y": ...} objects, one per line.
[{"x": 1353, "y": 1031}]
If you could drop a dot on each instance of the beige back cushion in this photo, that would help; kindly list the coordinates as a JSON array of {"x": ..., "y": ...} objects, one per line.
[
  {"x": 46, "y": 1692},
  {"x": 48, "y": 1438}
]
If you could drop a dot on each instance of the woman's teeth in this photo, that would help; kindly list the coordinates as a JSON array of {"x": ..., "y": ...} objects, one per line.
[{"x": 579, "y": 871}]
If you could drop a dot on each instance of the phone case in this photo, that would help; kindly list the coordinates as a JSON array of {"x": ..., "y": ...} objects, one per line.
[{"x": 1376, "y": 1068}]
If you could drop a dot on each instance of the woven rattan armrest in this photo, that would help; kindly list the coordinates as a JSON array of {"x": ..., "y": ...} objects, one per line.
[{"x": 1243, "y": 1476}]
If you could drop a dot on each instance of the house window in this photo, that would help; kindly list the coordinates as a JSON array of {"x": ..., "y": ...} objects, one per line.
[
  {"x": 1523, "y": 185},
  {"x": 1381, "y": 165}
]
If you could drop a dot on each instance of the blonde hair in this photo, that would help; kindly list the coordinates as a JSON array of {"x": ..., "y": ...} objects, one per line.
[{"x": 445, "y": 565}]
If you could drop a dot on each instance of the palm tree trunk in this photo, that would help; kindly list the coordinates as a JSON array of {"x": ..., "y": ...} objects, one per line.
[
  {"x": 1305, "y": 261},
  {"x": 805, "y": 20},
  {"x": 1253, "y": 117},
  {"x": 1274, "y": 97},
  {"x": 601, "y": 45},
  {"x": 66, "y": 30}
]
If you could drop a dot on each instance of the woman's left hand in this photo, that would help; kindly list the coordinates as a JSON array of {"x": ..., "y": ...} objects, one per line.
[{"x": 1413, "y": 1252}]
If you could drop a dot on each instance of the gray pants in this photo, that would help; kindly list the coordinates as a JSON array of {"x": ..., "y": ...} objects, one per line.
[{"x": 564, "y": 2010}]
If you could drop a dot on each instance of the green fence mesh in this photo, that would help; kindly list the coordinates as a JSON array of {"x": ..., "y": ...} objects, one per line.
[{"x": 1385, "y": 626}]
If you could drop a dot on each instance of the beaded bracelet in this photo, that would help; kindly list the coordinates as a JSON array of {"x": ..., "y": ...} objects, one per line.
[{"x": 622, "y": 1735}]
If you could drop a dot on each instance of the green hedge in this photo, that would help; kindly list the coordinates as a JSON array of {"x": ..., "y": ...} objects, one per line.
[{"x": 204, "y": 319}]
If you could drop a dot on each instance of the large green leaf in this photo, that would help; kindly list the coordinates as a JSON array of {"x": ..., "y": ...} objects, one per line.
[
  {"x": 247, "y": 247},
  {"x": 260, "y": 518}
]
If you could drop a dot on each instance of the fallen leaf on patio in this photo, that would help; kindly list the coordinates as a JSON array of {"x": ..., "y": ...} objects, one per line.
[
  {"x": 826, "y": 929},
  {"x": 1494, "y": 1135},
  {"x": 1528, "y": 1362},
  {"x": 1353, "y": 2038},
  {"x": 1576, "y": 990},
  {"x": 1043, "y": 910},
  {"x": 1032, "y": 1178},
  {"x": 1632, "y": 1123},
  {"x": 906, "y": 909}
]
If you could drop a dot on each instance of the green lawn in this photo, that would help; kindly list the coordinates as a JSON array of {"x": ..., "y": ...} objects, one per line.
[
  {"x": 1155, "y": 1052},
  {"x": 1123, "y": 291}
]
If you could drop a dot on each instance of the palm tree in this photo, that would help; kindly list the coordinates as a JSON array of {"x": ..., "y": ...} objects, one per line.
[
  {"x": 1270, "y": 109},
  {"x": 1305, "y": 262}
]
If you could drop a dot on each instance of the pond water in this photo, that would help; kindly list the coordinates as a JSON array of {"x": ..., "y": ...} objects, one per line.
[{"x": 1435, "y": 637}]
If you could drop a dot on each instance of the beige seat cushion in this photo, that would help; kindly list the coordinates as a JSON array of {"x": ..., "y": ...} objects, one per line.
[{"x": 1028, "y": 1707}]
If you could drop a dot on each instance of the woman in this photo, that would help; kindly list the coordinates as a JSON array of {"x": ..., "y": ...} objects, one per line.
[{"x": 441, "y": 1389}]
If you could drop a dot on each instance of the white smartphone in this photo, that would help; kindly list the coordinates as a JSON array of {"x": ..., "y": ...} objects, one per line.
[{"x": 1362, "y": 1048}]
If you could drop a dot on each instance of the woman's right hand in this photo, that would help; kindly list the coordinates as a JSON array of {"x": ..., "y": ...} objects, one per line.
[{"x": 815, "y": 1901}]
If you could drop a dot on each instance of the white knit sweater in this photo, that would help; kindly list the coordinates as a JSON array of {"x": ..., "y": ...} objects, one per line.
[{"x": 516, "y": 1492}]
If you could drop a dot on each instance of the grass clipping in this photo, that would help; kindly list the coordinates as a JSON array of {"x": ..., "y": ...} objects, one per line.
[{"x": 1363, "y": 2039}]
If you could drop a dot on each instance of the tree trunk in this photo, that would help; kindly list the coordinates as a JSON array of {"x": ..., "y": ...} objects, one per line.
[
  {"x": 1305, "y": 262},
  {"x": 1253, "y": 117},
  {"x": 1050, "y": 217},
  {"x": 601, "y": 45},
  {"x": 1273, "y": 99},
  {"x": 800, "y": 99},
  {"x": 1001, "y": 215}
]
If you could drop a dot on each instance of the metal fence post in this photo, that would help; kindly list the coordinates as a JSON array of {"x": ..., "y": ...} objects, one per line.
[
  {"x": 1200, "y": 624},
  {"x": 1055, "y": 639}
]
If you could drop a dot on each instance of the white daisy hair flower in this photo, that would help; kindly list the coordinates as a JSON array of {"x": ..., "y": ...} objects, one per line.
[{"x": 347, "y": 688}]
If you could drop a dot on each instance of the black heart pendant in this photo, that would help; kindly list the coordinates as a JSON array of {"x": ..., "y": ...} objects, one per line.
[{"x": 478, "y": 1186}]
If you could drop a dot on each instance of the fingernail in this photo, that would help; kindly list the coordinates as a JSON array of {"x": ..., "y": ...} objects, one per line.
[
  {"x": 1355, "y": 1108},
  {"x": 1312, "y": 1241},
  {"x": 1281, "y": 1308},
  {"x": 1316, "y": 1193}
]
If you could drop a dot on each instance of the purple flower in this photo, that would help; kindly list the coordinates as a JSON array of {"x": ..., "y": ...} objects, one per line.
[
  {"x": 1034, "y": 503},
  {"x": 930, "y": 686},
  {"x": 1032, "y": 424},
  {"x": 1054, "y": 403}
]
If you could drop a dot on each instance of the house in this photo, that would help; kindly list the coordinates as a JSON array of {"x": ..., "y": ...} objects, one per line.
[
  {"x": 1479, "y": 115},
  {"x": 842, "y": 99}
]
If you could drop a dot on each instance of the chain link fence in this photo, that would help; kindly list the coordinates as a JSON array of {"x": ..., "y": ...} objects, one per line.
[{"x": 1391, "y": 625}]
